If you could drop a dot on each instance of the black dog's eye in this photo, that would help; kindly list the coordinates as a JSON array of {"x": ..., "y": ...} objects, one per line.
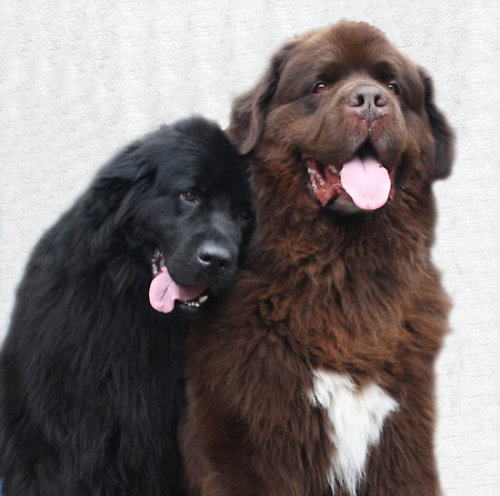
[
  {"x": 190, "y": 197},
  {"x": 245, "y": 210},
  {"x": 246, "y": 214},
  {"x": 393, "y": 87},
  {"x": 320, "y": 87}
]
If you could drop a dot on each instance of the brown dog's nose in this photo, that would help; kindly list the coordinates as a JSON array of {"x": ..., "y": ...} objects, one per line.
[{"x": 369, "y": 102}]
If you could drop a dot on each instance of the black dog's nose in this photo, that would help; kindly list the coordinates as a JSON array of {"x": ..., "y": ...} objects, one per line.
[
  {"x": 213, "y": 256},
  {"x": 368, "y": 101}
]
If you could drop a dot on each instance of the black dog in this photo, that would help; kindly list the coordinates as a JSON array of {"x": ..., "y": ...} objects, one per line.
[{"x": 91, "y": 386}]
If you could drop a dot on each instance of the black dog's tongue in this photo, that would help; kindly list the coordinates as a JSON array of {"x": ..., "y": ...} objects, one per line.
[{"x": 163, "y": 292}]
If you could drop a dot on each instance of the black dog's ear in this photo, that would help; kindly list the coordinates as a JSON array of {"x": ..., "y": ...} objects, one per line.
[
  {"x": 123, "y": 174},
  {"x": 249, "y": 110},
  {"x": 444, "y": 137}
]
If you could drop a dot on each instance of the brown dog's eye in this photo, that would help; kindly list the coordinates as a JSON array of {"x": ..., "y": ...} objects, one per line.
[
  {"x": 393, "y": 87},
  {"x": 189, "y": 197},
  {"x": 319, "y": 87}
]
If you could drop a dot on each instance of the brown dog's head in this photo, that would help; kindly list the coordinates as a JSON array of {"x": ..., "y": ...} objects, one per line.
[{"x": 345, "y": 106}]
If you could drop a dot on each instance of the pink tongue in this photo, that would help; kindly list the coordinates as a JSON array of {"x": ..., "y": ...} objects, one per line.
[
  {"x": 163, "y": 292},
  {"x": 367, "y": 182}
]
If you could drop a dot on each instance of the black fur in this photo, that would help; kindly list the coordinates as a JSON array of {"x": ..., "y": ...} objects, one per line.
[{"x": 90, "y": 381}]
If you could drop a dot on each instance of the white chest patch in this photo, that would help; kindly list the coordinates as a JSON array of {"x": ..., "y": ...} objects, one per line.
[{"x": 357, "y": 416}]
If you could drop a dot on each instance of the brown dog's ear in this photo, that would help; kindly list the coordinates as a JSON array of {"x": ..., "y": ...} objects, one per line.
[
  {"x": 443, "y": 135},
  {"x": 249, "y": 110}
]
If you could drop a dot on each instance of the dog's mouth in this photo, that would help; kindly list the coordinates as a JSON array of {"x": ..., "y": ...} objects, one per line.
[
  {"x": 165, "y": 293},
  {"x": 363, "y": 178}
]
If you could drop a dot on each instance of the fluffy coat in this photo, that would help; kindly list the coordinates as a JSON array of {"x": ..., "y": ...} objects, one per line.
[
  {"x": 317, "y": 375},
  {"x": 90, "y": 374}
]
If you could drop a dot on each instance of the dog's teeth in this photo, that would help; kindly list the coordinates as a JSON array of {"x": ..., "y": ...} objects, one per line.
[
  {"x": 333, "y": 169},
  {"x": 197, "y": 303}
]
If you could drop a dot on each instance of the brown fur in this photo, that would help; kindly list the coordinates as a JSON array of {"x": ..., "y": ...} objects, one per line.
[{"x": 352, "y": 293}]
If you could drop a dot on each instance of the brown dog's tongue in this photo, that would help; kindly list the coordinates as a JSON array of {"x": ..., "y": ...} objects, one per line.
[{"x": 367, "y": 182}]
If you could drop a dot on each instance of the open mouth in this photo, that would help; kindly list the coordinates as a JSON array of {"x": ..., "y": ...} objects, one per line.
[
  {"x": 363, "y": 178},
  {"x": 164, "y": 292}
]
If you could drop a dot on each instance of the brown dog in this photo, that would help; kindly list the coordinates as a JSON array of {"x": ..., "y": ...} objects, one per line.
[{"x": 316, "y": 377}]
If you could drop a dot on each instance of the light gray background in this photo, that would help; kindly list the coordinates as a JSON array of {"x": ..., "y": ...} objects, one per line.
[{"x": 80, "y": 79}]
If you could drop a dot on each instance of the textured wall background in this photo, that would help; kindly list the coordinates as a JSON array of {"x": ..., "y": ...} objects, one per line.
[{"x": 79, "y": 81}]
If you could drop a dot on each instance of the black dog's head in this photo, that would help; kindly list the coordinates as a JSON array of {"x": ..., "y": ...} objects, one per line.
[{"x": 178, "y": 203}]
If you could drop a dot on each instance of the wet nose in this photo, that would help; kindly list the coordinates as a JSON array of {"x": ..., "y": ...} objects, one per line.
[
  {"x": 214, "y": 257},
  {"x": 368, "y": 101}
]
